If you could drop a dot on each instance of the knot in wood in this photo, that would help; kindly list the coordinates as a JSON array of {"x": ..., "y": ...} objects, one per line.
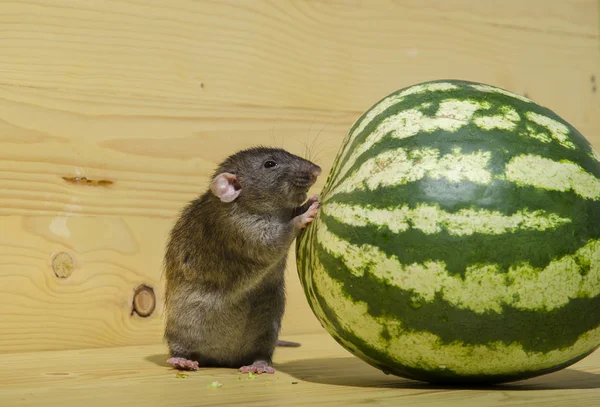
[
  {"x": 62, "y": 264},
  {"x": 144, "y": 301}
]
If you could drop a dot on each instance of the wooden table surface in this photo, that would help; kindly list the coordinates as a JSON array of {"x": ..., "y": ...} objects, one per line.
[{"x": 320, "y": 373}]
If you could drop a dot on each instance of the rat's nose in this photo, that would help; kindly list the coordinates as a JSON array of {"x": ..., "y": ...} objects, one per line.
[{"x": 316, "y": 171}]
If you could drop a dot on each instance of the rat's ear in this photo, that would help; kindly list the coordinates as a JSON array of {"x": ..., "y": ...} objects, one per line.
[{"x": 226, "y": 187}]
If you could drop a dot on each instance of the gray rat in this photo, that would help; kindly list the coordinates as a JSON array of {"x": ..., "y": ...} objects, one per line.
[{"x": 225, "y": 261}]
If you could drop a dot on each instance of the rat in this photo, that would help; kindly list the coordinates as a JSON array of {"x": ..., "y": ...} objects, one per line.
[{"x": 225, "y": 261}]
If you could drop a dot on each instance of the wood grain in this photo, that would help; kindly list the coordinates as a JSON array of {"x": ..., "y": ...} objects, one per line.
[
  {"x": 149, "y": 95},
  {"x": 324, "y": 375},
  {"x": 142, "y": 97},
  {"x": 93, "y": 307}
]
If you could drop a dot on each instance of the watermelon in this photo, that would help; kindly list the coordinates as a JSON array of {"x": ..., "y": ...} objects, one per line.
[{"x": 458, "y": 240}]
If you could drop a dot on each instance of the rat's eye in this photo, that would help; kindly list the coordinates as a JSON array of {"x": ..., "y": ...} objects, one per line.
[{"x": 270, "y": 164}]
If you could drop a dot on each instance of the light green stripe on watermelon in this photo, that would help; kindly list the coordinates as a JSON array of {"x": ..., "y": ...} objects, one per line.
[
  {"x": 374, "y": 112},
  {"x": 427, "y": 351},
  {"x": 595, "y": 154},
  {"x": 432, "y": 219},
  {"x": 557, "y": 130},
  {"x": 451, "y": 115},
  {"x": 506, "y": 120},
  {"x": 400, "y": 166},
  {"x": 484, "y": 287},
  {"x": 547, "y": 174},
  {"x": 536, "y": 331},
  {"x": 428, "y": 87},
  {"x": 492, "y": 89},
  {"x": 388, "y": 102}
]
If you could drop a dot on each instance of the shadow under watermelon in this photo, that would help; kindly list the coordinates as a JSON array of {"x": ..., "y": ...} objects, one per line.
[{"x": 351, "y": 371}]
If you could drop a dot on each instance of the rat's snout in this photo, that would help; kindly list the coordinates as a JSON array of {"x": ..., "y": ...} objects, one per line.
[
  {"x": 305, "y": 175},
  {"x": 315, "y": 172}
]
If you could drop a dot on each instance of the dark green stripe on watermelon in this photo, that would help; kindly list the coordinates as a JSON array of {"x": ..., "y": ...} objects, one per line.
[
  {"x": 534, "y": 330},
  {"x": 303, "y": 246},
  {"x": 466, "y": 92},
  {"x": 502, "y": 196},
  {"x": 502, "y": 146},
  {"x": 382, "y": 361},
  {"x": 458, "y": 252}
]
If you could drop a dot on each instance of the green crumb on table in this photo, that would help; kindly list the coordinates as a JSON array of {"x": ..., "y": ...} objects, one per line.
[
  {"x": 181, "y": 376},
  {"x": 215, "y": 385},
  {"x": 251, "y": 375}
]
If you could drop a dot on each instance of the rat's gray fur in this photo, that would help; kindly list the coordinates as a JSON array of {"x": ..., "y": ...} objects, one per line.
[{"x": 225, "y": 262}]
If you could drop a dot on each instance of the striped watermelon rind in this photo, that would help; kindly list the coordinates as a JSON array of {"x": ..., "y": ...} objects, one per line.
[{"x": 458, "y": 238}]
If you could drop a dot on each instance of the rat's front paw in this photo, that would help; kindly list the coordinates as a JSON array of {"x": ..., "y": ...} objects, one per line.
[
  {"x": 301, "y": 221},
  {"x": 312, "y": 199}
]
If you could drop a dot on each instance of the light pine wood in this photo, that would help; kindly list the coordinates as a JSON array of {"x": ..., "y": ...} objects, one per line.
[
  {"x": 325, "y": 375},
  {"x": 149, "y": 94},
  {"x": 143, "y": 97},
  {"x": 111, "y": 257}
]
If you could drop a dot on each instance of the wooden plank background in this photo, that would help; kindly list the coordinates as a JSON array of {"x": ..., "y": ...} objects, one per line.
[{"x": 148, "y": 95}]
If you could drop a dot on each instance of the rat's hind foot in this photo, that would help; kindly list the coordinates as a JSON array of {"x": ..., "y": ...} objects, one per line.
[
  {"x": 258, "y": 367},
  {"x": 183, "y": 363}
]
